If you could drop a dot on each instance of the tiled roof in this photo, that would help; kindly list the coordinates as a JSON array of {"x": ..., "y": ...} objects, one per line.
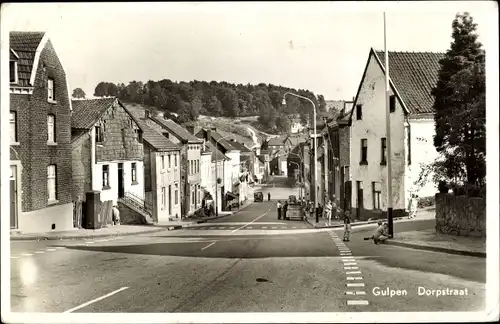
[
  {"x": 239, "y": 146},
  {"x": 217, "y": 155},
  {"x": 296, "y": 139},
  {"x": 179, "y": 131},
  {"x": 87, "y": 112},
  {"x": 223, "y": 142},
  {"x": 25, "y": 45},
  {"x": 414, "y": 75},
  {"x": 155, "y": 139}
]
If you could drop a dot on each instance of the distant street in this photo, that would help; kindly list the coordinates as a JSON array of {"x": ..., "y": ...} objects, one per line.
[{"x": 247, "y": 262}]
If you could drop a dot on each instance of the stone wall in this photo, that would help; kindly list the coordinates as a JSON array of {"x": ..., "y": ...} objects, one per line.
[{"x": 460, "y": 215}]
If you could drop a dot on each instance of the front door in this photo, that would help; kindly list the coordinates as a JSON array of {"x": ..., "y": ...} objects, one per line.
[
  {"x": 169, "y": 200},
  {"x": 121, "y": 188},
  {"x": 13, "y": 197}
]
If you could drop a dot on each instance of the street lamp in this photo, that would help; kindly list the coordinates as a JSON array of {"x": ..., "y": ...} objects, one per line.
[
  {"x": 315, "y": 146},
  {"x": 216, "y": 178}
]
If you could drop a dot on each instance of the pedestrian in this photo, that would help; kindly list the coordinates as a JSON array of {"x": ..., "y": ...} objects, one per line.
[
  {"x": 412, "y": 206},
  {"x": 278, "y": 206},
  {"x": 347, "y": 226},
  {"x": 380, "y": 235},
  {"x": 116, "y": 215},
  {"x": 268, "y": 196},
  {"x": 285, "y": 208},
  {"x": 328, "y": 213}
]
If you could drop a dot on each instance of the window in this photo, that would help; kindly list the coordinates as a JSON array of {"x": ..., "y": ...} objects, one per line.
[
  {"x": 359, "y": 112},
  {"x": 192, "y": 195},
  {"x": 199, "y": 194},
  {"x": 169, "y": 162},
  {"x": 383, "y": 150},
  {"x": 13, "y": 71},
  {"x": 163, "y": 197},
  {"x": 13, "y": 126},
  {"x": 105, "y": 177},
  {"x": 50, "y": 89},
  {"x": 99, "y": 134},
  {"x": 134, "y": 172},
  {"x": 176, "y": 194},
  {"x": 197, "y": 166},
  {"x": 364, "y": 150},
  {"x": 163, "y": 162},
  {"x": 376, "y": 195},
  {"x": 51, "y": 182},
  {"x": 51, "y": 134},
  {"x": 392, "y": 103},
  {"x": 408, "y": 139},
  {"x": 176, "y": 156}
]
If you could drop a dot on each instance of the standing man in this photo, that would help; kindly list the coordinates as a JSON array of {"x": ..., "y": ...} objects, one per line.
[
  {"x": 278, "y": 207},
  {"x": 268, "y": 196}
]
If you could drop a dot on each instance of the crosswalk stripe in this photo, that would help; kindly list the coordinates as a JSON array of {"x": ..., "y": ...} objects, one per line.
[
  {"x": 357, "y": 302},
  {"x": 350, "y": 263},
  {"x": 356, "y": 284},
  {"x": 249, "y": 227},
  {"x": 353, "y": 272},
  {"x": 350, "y": 268}
]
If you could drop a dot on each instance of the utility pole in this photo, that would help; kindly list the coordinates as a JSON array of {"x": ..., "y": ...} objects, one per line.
[{"x": 388, "y": 136}]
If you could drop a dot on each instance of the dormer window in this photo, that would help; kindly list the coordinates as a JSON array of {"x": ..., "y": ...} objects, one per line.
[
  {"x": 50, "y": 90},
  {"x": 13, "y": 71}
]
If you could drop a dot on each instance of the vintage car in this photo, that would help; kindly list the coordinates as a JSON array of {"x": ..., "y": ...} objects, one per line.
[
  {"x": 258, "y": 196},
  {"x": 294, "y": 209}
]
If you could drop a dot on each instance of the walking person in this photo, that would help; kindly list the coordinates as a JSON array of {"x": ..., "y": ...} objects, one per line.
[
  {"x": 328, "y": 213},
  {"x": 116, "y": 215},
  {"x": 268, "y": 196},
  {"x": 412, "y": 206},
  {"x": 278, "y": 206},
  {"x": 285, "y": 208},
  {"x": 347, "y": 226}
]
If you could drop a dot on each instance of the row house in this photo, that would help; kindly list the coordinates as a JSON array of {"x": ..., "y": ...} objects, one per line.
[
  {"x": 276, "y": 148},
  {"x": 40, "y": 136},
  {"x": 191, "y": 146},
  {"x": 218, "y": 163},
  {"x": 246, "y": 165},
  {"x": 162, "y": 176},
  {"x": 107, "y": 151},
  {"x": 231, "y": 167},
  {"x": 412, "y": 77}
]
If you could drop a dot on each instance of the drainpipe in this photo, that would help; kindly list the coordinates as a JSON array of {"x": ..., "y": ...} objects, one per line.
[{"x": 92, "y": 157}]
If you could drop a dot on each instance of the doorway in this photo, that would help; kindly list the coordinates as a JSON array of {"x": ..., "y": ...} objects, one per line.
[
  {"x": 169, "y": 200},
  {"x": 13, "y": 197},
  {"x": 121, "y": 188},
  {"x": 359, "y": 198}
]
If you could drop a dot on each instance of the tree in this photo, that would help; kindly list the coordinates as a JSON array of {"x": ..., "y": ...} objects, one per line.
[
  {"x": 459, "y": 102},
  {"x": 322, "y": 103},
  {"x": 283, "y": 123},
  {"x": 78, "y": 93}
]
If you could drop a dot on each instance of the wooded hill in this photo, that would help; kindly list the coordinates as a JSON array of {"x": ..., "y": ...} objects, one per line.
[{"x": 190, "y": 99}]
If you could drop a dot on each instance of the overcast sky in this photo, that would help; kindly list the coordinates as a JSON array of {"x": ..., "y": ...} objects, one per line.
[{"x": 320, "y": 46}]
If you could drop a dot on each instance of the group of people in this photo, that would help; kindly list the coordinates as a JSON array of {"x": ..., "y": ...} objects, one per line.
[{"x": 282, "y": 209}]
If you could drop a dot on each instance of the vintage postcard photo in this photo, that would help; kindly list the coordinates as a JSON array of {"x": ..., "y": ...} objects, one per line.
[{"x": 249, "y": 162}]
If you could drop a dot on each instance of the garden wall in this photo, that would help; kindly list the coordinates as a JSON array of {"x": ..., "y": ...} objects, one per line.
[{"x": 460, "y": 215}]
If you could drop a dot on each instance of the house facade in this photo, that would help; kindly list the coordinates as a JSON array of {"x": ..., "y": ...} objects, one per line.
[
  {"x": 410, "y": 112},
  {"x": 40, "y": 136},
  {"x": 191, "y": 191},
  {"x": 107, "y": 146},
  {"x": 217, "y": 168}
]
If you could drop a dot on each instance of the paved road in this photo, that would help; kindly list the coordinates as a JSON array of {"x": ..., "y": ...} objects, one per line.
[{"x": 248, "y": 262}]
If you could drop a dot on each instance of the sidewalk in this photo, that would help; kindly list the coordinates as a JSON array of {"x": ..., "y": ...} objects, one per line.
[
  {"x": 120, "y": 230},
  {"x": 431, "y": 241}
]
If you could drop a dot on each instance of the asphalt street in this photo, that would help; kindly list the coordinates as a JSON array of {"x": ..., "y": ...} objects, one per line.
[{"x": 247, "y": 262}]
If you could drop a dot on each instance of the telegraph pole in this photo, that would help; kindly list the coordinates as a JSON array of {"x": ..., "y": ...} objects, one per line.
[{"x": 388, "y": 137}]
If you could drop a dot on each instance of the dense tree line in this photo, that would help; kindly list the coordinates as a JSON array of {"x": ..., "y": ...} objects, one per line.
[{"x": 190, "y": 99}]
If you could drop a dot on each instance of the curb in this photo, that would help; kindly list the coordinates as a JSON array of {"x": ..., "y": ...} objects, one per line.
[
  {"x": 437, "y": 249},
  {"x": 89, "y": 236},
  {"x": 342, "y": 225}
]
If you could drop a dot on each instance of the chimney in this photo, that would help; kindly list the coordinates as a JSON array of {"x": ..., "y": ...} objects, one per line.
[
  {"x": 208, "y": 133},
  {"x": 204, "y": 145},
  {"x": 147, "y": 113},
  {"x": 165, "y": 115}
]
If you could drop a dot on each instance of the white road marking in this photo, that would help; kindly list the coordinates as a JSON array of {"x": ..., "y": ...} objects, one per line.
[
  {"x": 39, "y": 252},
  {"x": 231, "y": 227},
  {"x": 60, "y": 247},
  {"x": 350, "y": 264},
  {"x": 250, "y": 222},
  {"x": 356, "y": 284},
  {"x": 50, "y": 250},
  {"x": 350, "y": 268},
  {"x": 353, "y": 272},
  {"x": 264, "y": 227},
  {"x": 354, "y": 278},
  {"x": 89, "y": 242},
  {"x": 26, "y": 254},
  {"x": 206, "y": 247},
  {"x": 95, "y": 300},
  {"x": 101, "y": 240},
  {"x": 360, "y": 293},
  {"x": 357, "y": 302},
  {"x": 355, "y": 293}
]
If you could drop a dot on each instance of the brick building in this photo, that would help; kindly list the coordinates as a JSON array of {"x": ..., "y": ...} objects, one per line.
[
  {"x": 107, "y": 150},
  {"x": 40, "y": 134}
]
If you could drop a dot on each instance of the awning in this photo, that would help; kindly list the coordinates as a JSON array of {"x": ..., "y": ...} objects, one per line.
[{"x": 230, "y": 196}]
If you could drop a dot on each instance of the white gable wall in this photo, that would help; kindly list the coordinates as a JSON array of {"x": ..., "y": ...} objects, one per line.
[{"x": 373, "y": 128}]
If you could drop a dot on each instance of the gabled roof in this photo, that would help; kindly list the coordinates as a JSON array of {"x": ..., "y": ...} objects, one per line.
[
  {"x": 414, "y": 75},
  {"x": 87, "y": 112},
  {"x": 217, "y": 155},
  {"x": 239, "y": 146},
  {"x": 27, "y": 46},
  {"x": 295, "y": 139},
  {"x": 222, "y": 141},
  {"x": 156, "y": 140},
  {"x": 177, "y": 130}
]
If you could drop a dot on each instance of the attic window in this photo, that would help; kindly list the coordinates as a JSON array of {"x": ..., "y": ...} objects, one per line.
[
  {"x": 392, "y": 103},
  {"x": 13, "y": 71},
  {"x": 359, "y": 112}
]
